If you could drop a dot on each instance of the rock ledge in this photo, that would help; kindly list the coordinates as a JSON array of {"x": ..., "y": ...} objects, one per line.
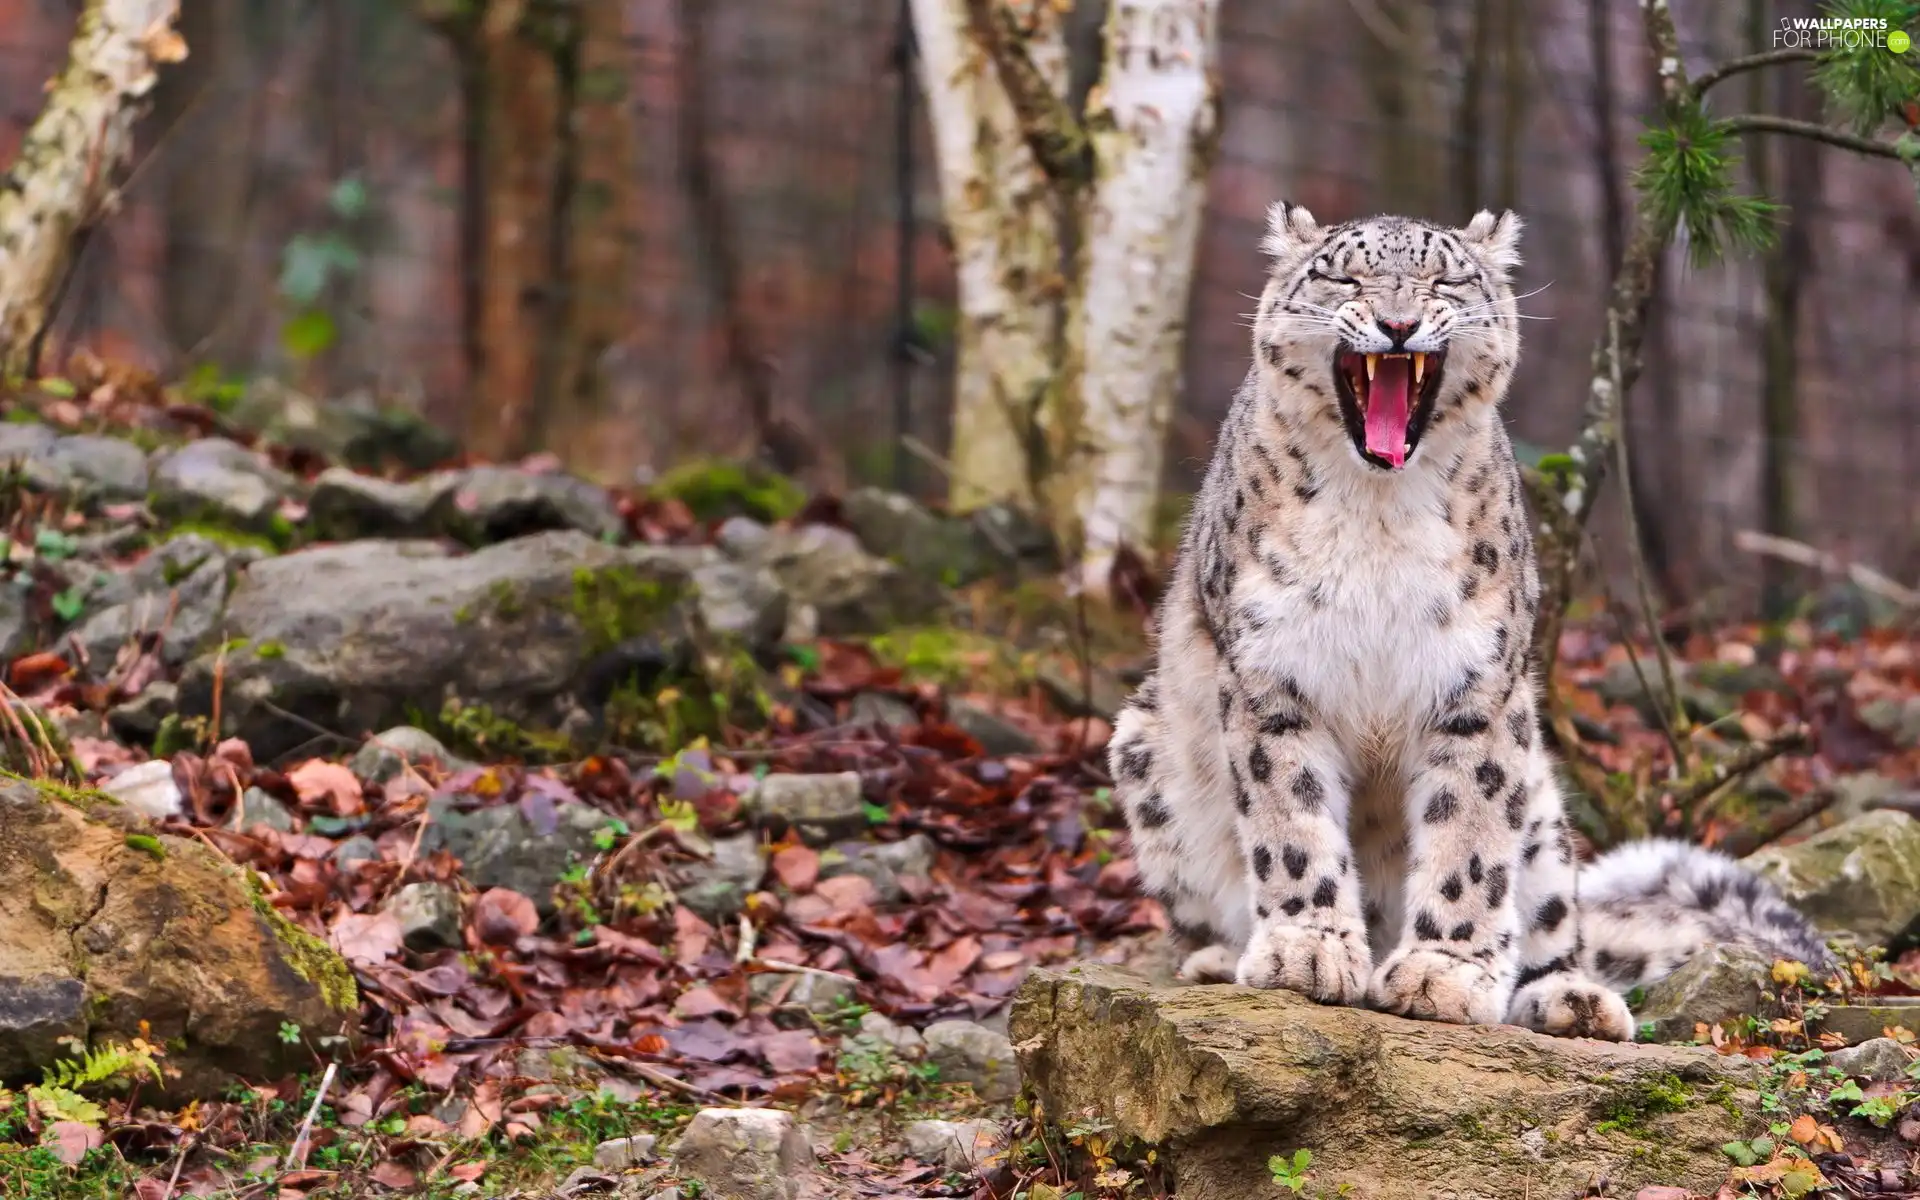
[{"x": 1223, "y": 1077}]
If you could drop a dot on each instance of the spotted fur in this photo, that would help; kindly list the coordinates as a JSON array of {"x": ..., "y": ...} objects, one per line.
[{"x": 1338, "y": 785}]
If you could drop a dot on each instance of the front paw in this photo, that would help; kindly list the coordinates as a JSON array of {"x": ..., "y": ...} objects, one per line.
[
  {"x": 1567, "y": 1005},
  {"x": 1329, "y": 965},
  {"x": 1432, "y": 985}
]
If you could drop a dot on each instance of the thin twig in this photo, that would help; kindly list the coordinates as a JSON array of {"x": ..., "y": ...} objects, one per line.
[
  {"x": 173, "y": 1180},
  {"x": 1767, "y": 123},
  {"x": 1864, "y": 577},
  {"x": 296, "y": 1153},
  {"x": 774, "y": 964},
  {"x": 1736, "y": 766},
  {"x": 1741, "y": 843},
  {"x": 1751, "y": 62},
  {"x": 1673, "y": 720}
]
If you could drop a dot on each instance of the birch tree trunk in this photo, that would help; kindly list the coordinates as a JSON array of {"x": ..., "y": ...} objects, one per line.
[
  {"x": 64, "y": 179},
  {"x": 1005, "y": 220},
  {"x": 1155, "y": 123},
  {"x": 1075, "y": 235}
]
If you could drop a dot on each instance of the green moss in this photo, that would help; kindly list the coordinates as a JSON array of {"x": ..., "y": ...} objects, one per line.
[
  {"x": 82, "y": 798},
  {"x": 223, "y": 535},
  {"x": 146, "y": 843},
  {"x": 477, "y": 731},
  {"x": 309, "y": 957},
  {"x": 715, "y": 488},
  {"x": 42, "y": 735},
  {"x": 1633, "y": 1105},
  {"x": 617, "y": 604},
  {"x": 953, "y": 657}
]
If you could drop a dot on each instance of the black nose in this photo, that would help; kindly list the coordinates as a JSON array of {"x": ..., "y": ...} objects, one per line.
[{"x": 1397, "y": 330}]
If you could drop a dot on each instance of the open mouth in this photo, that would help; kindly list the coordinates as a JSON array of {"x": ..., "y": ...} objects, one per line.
[{"x": 1386, "y": 399}]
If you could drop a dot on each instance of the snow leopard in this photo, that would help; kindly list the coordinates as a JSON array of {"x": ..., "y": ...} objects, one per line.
[{"x": 1333, "y": 775}]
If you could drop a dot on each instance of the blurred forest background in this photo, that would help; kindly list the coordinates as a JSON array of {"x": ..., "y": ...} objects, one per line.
[{"x": 759, "y": 248}]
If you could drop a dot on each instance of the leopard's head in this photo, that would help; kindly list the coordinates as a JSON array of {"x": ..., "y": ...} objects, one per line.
[{"x": 1389, "y": 325}]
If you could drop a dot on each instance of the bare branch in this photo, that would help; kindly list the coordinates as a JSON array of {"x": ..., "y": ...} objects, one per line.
[
  {"x": 1764, "y": 123},
  {"x": 1749, "y": 758},
  {"x": 1864, "y": 577},
  {"x": 1050, "y": 128},
  {"x": 1752, "y": 62}
]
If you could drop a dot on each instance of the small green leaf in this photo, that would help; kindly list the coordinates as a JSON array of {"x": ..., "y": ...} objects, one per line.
[
  {"x": 68, "y": 604},
  {"x": 348, "y": 198},
  {"x": 308, "y": 334},
  {"x": 877, "y": 814},
  {"x": 1739, "y": 1153},
  {"x": 53, "y": 385}
]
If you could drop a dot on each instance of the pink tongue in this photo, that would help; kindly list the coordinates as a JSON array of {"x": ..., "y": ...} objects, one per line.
[{"x": 1388, "y": 403}]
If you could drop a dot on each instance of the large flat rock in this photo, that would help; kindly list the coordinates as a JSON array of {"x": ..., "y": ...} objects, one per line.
[{"x": 1222, "y": 1077}]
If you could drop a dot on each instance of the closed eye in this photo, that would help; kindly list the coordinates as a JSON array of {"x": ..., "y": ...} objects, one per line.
[
  {"x": 1453, "y": 281},
  {"x": 1314, "y": 273}
]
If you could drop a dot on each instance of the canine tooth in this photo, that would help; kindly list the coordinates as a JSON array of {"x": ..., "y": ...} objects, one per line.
[
  {"x": 1419, "y": 366},
  {"x": 1406, "y": 447},
  {"x": 1373, "y": 360}
]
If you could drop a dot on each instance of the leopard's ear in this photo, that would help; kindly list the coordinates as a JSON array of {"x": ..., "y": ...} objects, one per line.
[
  {"x": 1291, "y": 230},
  {"x": 1496, "y": 239}
]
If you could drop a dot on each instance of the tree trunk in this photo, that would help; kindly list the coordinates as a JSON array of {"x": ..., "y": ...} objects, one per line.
[
  {"x": 1005, "y": 221},
  {"x": 547, "y": 147},
  {"x": 1154, "y": 133},
  {"x": 69, "y": 162},
  {"x": 1075, "y": 235}
]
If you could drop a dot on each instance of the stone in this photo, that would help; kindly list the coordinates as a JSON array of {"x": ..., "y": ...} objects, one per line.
[
  {"x": 221, "y": 482},
  {"x": 91, "y": 468},
  {"x": 384, "y": 754},
  {"x": 902, "y": 530},
  {"x": 351, "y": 429},
  {"x": 740, "y": 603},
  {"x": 133, "y": 933},
  {"x": 973, "y": 1054},
  {"x": 821, "y": 995},
  {"x": 1015, "y": 537},
  {"x": 364, "y": 631},
  {"x": 883, "y": 864},
  {"x": 506, "y": 846},
  {"x": 742, "y": 537},
  {"x": 17, "y": 624},
  {"x": 182, "y": 613},
  {"x": 1713, "y": 986},
  {"x": 745, "y": 1154},
  {"x": 263, "y": 808},
  {"x": 820, "y": 807},
  {"x": 483, "y": 505},
  {"x": 955, "y": 1145},
  {"x": 355, "y": 850},
  {"x": 1859, "y": 1023},
  {"x": 838, "y": 589},
  {"x": 717, "y": 890},
  {"x": 621, "y": 1153},
  {"x": 904, "y": 1039},
  {"x": 999, "y": 738},
  {"x": 1860, "y": 879},
  {"x": 1221, "y": 1078},
  {"x": 138, "y": 720},
  {"x": 429, "y": 915},
  {"x": 882, "y": 710},
  {"x": 1099, "y": 693},
  {"x": 345, "y": 504},
  {"x": 1896, "y": 717},
  {"x": 1881, "y": 1060},
  {"x": 148, "y": 789}
]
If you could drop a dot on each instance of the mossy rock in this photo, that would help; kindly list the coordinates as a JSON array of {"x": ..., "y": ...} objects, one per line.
[
  {"x": 1222, "y": 1078},
  {"x": 714, "y": 489},
  {"x": 127, "y": 927}
]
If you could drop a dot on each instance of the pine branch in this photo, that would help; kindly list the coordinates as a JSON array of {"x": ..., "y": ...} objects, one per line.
[
  {"x": 1764, "y": 123},
  {"x": 1752, "y": 62},
  {"x": 1050, "y": 128}
]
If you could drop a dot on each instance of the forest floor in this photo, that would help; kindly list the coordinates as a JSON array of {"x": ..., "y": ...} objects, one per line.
[{"x": 700, "y": 955}]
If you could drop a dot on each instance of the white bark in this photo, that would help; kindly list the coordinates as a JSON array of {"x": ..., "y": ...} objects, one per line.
[
  {"x": 1000, "y": 212},
  {"x": 70, "y": 160},
  {"x": 1152, "y": 146}
]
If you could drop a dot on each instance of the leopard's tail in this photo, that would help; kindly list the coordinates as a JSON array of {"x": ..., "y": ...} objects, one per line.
[{"x": 1648, "y": 906}]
